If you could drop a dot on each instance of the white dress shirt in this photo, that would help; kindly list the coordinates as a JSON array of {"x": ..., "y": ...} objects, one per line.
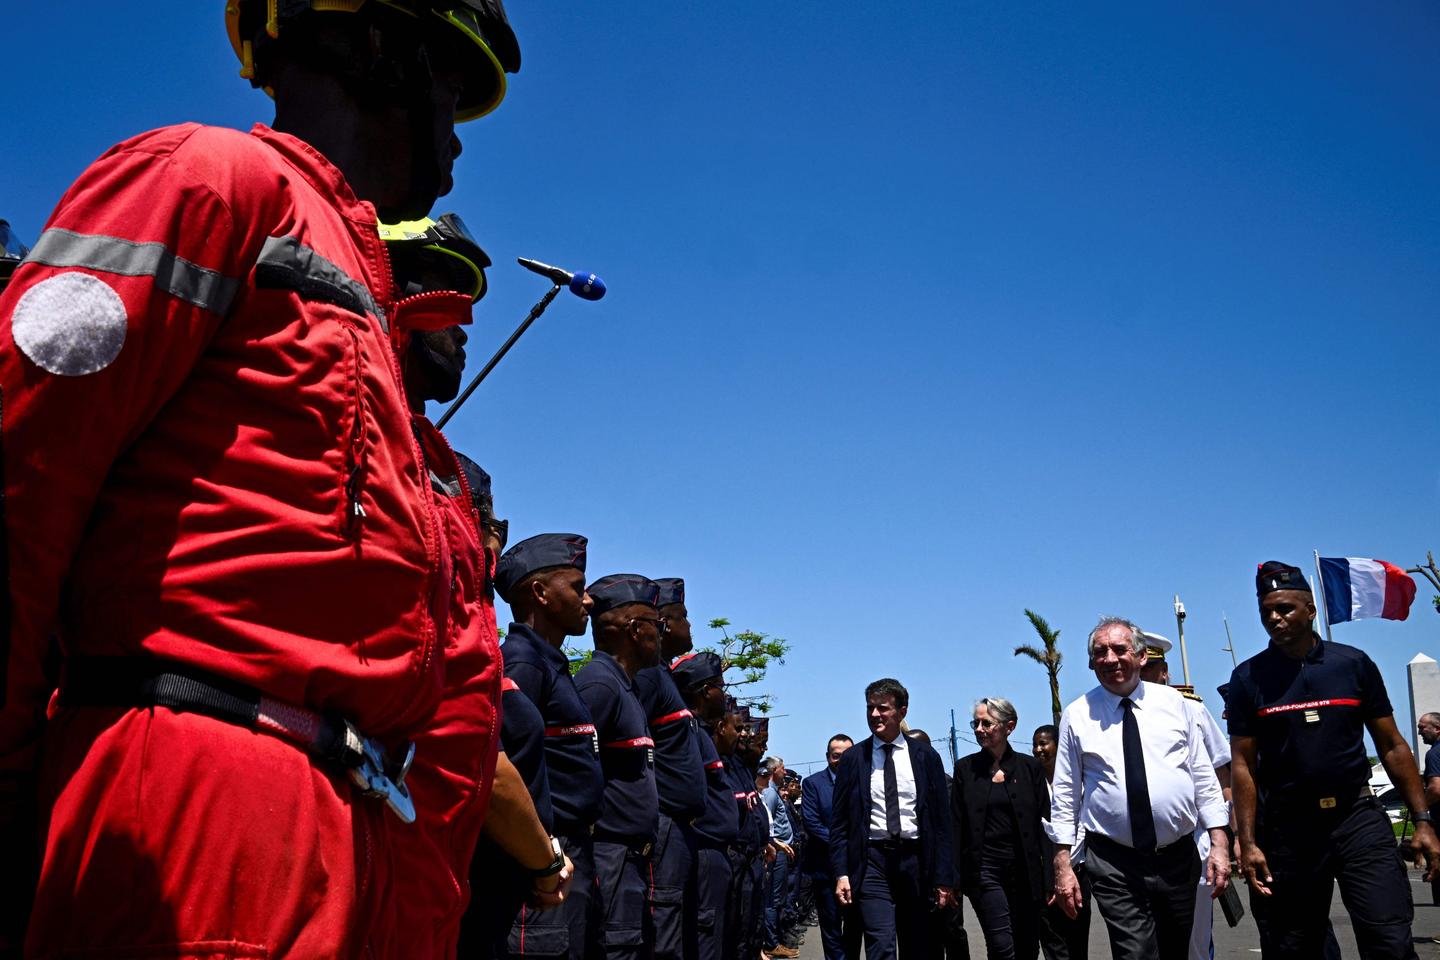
[
  {"x": 1090, "y": 791},
  {"x": 1217, "y": 745},
  {"x": 904, "y": 787}
]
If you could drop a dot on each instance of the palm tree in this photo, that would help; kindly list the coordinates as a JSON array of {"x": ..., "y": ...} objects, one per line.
[{"x": 1049, "y": 657}]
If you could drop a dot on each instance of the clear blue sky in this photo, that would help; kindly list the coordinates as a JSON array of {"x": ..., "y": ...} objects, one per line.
[{"x": 920, "y": 313}]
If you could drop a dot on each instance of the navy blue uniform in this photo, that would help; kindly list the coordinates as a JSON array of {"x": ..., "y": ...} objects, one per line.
[
  {"x": 629, "y": 808},
  {"x": 572, "y": 767},
  {"x": 746, "y": 902},
  {"x": 498, "y": 885},
  {"x": 1316, "y": 821},
  {"x": 572, "y": 754},
  {"x": 716, "y": 831},
  {"x": 680, "y": 780}
]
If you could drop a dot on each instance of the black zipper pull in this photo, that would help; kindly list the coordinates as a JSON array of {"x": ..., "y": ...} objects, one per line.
[{"x": 352, "y": 492}]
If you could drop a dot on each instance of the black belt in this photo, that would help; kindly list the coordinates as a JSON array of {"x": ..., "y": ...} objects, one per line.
[
  {"x": 641, "y": 848},
  {"x": 705, "y": 843},
  {"x": 896, "y": 843},
  {"x": 579, "y": 832},
  {"x": 1104, "y": 842},
  {"x": 143, "y": 682}
]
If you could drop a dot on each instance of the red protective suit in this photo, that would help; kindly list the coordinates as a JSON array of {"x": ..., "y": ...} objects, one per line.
[
  {"x": 455, "y": 757},
  {"x": 208, "y": 459}
]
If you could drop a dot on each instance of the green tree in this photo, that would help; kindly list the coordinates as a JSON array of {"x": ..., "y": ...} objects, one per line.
[
  {"x": 577, "y": 656},
  {"x": 1430, "y": 572},
  {"x": 1049, "y": 657},
  {"x": 751, "y": 653}
]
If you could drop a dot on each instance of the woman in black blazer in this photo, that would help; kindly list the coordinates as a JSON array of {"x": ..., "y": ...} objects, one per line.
[{"x": 999, "y": 802}]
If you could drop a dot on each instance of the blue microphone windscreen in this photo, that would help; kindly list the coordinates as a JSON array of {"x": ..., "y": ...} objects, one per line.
[{"x": 587, "y": 286}]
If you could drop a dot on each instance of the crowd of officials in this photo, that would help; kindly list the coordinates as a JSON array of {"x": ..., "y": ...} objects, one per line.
[
  {"x": 254, "y": 697},
  {"x": 1135, "y": 805}
]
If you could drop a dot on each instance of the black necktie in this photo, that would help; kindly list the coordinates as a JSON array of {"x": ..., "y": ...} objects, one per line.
[
  {"x": 1137, "y": 788},
  {"x": 892, "y": 793}
]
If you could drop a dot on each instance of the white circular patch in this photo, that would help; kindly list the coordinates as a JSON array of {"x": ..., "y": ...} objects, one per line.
[{"x": 71, "y": 324}]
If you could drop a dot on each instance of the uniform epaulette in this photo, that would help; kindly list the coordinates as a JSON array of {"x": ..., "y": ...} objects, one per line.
[{"x": 1188, "y": 692}]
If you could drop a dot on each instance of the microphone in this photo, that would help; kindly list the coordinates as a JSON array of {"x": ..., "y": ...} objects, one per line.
[{"x": 586, "y": 286}]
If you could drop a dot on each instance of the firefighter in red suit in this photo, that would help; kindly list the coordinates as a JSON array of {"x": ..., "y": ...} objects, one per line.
[
  {"x": 429, "y": 257},
  {"x": 228, "y": 581}
]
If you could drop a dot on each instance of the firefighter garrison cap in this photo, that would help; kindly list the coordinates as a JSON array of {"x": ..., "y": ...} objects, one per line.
[
  {"x": 672, "y": 590},
  {"x": 1274, "y": 575},
  {"x": 482, "y": 29},
  {"x": 694, "y": 669},
  {"x": 540, "y": 552},
  {"x": 620, "y": 589}
]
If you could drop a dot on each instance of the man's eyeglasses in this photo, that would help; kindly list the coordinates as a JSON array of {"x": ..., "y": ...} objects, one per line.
[{"x": 662, "y": 624}]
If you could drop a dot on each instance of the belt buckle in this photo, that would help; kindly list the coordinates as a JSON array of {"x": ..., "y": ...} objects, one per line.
[{"x": 370, "y": 775}]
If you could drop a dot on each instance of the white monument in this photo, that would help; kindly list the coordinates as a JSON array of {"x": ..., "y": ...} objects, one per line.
[{"x": 1424, "y": 675}]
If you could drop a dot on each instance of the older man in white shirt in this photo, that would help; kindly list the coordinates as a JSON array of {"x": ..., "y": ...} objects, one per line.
[{"x": 1133, "y": 773}]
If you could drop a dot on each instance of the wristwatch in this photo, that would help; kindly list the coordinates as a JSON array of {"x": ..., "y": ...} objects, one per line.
[
  {"x": 554, "y": 866},
  {"x": 1422, "y": 817}
]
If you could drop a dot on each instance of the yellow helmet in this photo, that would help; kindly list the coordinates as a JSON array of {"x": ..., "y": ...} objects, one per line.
[
  {"x": 444, "y": 245},
  {"x": 483, "y": 28}
]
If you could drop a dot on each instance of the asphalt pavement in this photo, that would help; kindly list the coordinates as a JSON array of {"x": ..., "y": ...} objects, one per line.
[{"x": 1242, "y": 941}]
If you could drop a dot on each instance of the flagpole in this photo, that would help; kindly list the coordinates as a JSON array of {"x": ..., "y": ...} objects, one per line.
[
  {"x": 1229, "y": 642},
  {"x": 1320, "y": 589}
]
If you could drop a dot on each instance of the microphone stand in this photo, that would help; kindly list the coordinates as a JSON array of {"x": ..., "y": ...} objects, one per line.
[{"x": 534, "y": 315}]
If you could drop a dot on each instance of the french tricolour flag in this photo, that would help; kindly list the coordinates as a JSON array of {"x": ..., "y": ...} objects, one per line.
[{"x": 1356, "y": 588}]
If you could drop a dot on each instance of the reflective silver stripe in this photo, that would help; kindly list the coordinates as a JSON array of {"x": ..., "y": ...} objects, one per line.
[
  {"x": 205, "y": 288},
  {"x": 309, "y": 273}
]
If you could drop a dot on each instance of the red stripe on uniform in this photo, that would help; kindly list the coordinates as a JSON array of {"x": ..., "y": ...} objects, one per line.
[
  {"x": 1308, "y": 705},
  {"x": 672, "y": 717},
  {"x": 586, "y": 729},
  {"x": 717, "y": 765},
  {"x": 629, "y": 744}
]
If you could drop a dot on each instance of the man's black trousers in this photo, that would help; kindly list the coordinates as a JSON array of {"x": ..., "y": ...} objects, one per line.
[
  {"x": 839, "y": 926},
  {"x": 568, "y": 930},
  {"x": 713, "y": 874},
  {"x": 1307, "y": 852},
  {"x": 894, "y": 903},
  {"x": 1147, "y": 900},
  {"x": 673, "y": 897},
  {"x": 622, "y": 887}
]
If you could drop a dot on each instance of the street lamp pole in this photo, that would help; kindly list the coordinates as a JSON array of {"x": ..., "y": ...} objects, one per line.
[{"x": 1180, "y": 626}]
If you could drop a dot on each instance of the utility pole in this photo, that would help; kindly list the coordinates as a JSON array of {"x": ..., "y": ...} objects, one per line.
[
  {"x": 954, "y": 755},
  {"x": 1180, "y": 626}
]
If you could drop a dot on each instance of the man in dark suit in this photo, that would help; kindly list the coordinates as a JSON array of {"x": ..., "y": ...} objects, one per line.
[{"x": 890, "y": 843}]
